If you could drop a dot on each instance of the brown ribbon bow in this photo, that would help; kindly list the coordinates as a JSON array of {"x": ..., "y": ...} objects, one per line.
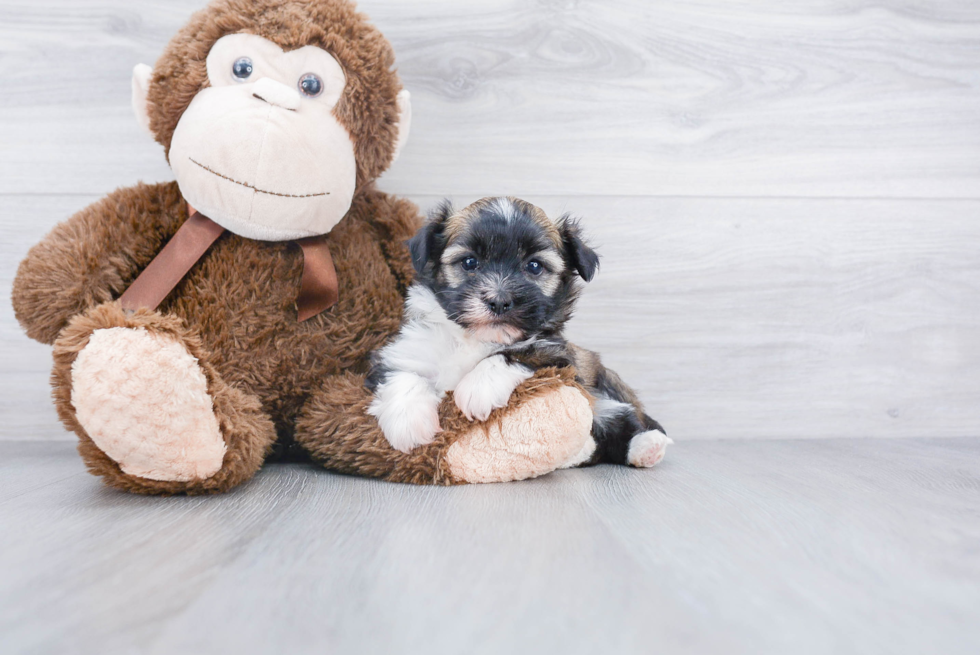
[{"x": 319, "y": 289}]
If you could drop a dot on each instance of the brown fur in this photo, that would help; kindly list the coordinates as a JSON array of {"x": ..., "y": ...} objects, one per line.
[
  {"x": 247, "y": 430},
  {"x": 270, "y": 376},
  {"x": 368, "y": 108},
  {"x": 337, "y": 431},
  {"x": 240, "y": 300}
]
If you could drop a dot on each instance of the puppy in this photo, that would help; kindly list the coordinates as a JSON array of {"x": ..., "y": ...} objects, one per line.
[{"x": 496, "y": 284}]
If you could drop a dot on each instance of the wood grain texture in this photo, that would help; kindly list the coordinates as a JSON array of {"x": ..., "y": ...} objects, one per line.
[
  {"x": 626, "y": 97},
  {"x": 835, "y": 546},
  {"x": 751, "y": 318}
]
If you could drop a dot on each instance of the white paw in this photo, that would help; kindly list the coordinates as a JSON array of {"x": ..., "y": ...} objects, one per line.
[
  {"x": 488, "y": 387},
  {"x": 407, "y": 409},
  {"x": 648, "y": 448}
]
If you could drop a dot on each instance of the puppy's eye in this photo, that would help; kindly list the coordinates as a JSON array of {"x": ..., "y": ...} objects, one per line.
[
  {"x": 534, "y": 267},
  {"x": 470, "y": 264},
  {"x": 242, "y": 68}
]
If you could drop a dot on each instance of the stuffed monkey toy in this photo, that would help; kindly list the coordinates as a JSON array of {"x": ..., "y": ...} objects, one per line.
[{"x": 200, "y": 325}]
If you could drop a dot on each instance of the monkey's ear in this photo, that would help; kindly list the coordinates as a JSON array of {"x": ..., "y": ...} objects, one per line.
[
  {"x": 578, "y": 255},
  {"x": 427, "y": 244},
  {"x": 404, "y": 121},
  {"x": 141, "y": 86}
]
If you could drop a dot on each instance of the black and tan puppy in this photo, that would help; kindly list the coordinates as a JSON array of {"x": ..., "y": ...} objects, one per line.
[{"x": 496, "y": 284}]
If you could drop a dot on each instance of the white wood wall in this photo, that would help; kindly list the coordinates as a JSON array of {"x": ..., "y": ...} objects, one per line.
[{"x": 786, "y": 194}]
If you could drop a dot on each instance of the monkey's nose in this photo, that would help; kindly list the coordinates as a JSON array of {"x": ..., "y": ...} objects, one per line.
[
  {"x": 500, "y": 304},
  {"x": 277, "y": 94}
]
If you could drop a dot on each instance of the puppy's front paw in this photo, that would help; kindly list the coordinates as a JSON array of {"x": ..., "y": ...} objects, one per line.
[
  {"x": 407, "y": 409},
  {"x": 415, "y": 427},
  {"x": 488, "y": 387}
]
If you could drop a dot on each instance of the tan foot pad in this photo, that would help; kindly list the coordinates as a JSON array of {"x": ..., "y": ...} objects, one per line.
[
  {"x": 143, "y": 399},
  {"x": 536, "y": 438}
]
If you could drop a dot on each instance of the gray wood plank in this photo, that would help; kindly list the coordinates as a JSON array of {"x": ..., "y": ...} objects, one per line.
[
  {"x": 816, "y": 98},
  {"x": 733, "y": 318},
  {"x": 789, "y": 318},
  {"x": 833, "y": 546}
]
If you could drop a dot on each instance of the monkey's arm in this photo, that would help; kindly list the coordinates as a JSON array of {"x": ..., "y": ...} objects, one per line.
[
  {"x": 545, "y": 425},
  {"x": 93, "y": 256},
  {"x": 395, "y": 221}
]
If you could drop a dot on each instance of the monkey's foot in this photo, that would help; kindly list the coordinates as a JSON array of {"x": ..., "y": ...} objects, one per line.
[
  {"x": 582, "y": 456},
  {"x": 540, "y": 434},
  {"x": 648, "y": 448},
  {"x": 143, "y": 399}
]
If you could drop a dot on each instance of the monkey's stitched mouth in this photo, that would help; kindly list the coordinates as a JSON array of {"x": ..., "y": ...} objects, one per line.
[{"x": 253, "y": 188}]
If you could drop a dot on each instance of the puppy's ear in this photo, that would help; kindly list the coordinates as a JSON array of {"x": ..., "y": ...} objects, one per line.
[
  {"x": 578, "y": 254},
  {"x": 427, "y": 244}
]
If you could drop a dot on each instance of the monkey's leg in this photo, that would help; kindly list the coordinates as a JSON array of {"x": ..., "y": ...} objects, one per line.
[
  {"x": 545, "y": 425},
  {"x": 151, "y": 414}
]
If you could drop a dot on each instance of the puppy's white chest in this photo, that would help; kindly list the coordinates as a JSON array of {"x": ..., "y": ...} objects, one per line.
[{"x": 434, "y": 347}]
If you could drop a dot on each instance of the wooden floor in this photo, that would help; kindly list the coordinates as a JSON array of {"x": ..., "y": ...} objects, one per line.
[{"x": 826, "y": 546}]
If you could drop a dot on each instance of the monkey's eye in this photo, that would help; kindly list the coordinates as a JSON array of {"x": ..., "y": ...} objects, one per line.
[
  {"x": 311, "y": 85},
  {"x": 242, "y": 68},
  {"x": 534, "y": 267},
  {"x": 470, "y": 264}
]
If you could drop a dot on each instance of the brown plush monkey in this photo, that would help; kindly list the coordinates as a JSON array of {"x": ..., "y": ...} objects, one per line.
[{"x": 276, "y": 117}]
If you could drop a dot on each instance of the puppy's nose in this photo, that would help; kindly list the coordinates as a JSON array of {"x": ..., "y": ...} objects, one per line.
[
  {"x": 277, "y": 93},
  {"x": 500, "y": 304}
]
